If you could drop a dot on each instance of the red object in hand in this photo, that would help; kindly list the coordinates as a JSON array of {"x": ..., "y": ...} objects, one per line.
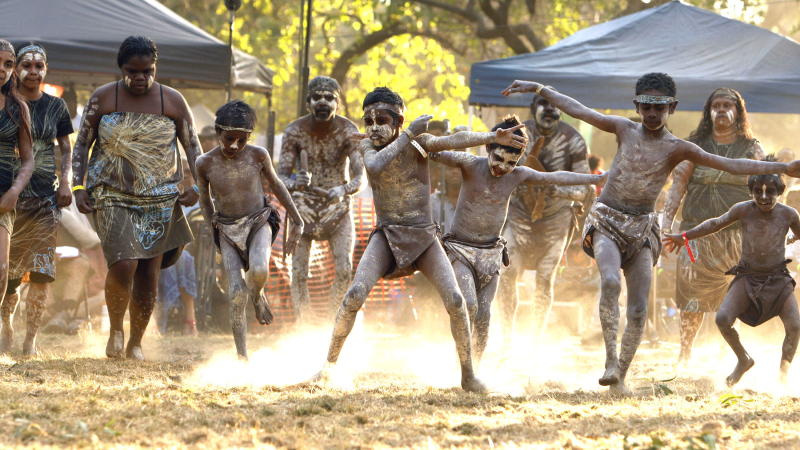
[{"x": 688, "y": 249}]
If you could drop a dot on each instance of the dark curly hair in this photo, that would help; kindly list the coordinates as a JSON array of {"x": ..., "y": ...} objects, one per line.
[
  {"x": 237, "y": 114},
  {"x": 136, "y": 46},
  {"x": 706, "y": 126},
  {"x": 15, "y": 104},
  {"x": 509, "y": 121},
  {"x": 384, "y": 95},
  {"x": 776, "y": 178},
  {"x": 658, "y": 81}
]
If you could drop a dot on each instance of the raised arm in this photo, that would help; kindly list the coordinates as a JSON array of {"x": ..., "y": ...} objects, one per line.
[
  {"x": 283, "y": 196},
  {"x": 561, "y": 177},
  {"x": 86, "y": 137},
  {"x": 9, "y": 200},
  {"x": 679, "y": 184},
  {"x": 710, "y": 226},
  {"x": 467, "y": 139},
  {"x": 377, "y": 161},
  {"x": 742, "y": 166},
  {"x": 187, "y": 135},
  {"x": 453, "y": 159},
  {"x": 569, "y": 105}
]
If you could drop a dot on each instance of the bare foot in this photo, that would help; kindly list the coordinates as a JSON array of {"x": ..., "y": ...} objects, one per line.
[
  {"x": 135, "y": 353},
  {"x": 619, "y": 390},
  {"x": 115, "y": 348},
  {"x": 611, "y": 376},
  {"x": 29, "y": 347},
  {"x": 190, "y": 328},
  {"x": 6, "y": 340},
  {"x": 739, "y": 370},
  {"x": 263, "y": 310},
  {"x": 321, "y": 378},
  {"x": 473, "y": 385},
  {"x": 783, "y": 373}
]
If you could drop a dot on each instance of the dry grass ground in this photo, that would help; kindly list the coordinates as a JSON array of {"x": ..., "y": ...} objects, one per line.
[{"x": 394, "y": 392}]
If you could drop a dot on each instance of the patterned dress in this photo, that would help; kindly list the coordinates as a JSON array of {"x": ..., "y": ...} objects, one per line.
[
  {"x": 33, "y": 242},
  {"x": 701, "y": 286},
  {"x": 133, "y": 180},
  {"x": 9, "y": 158}
]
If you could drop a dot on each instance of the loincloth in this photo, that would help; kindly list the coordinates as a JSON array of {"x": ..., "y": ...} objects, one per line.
[
  {"x": 482, "y": 259},
  {"x": 321, "y": 217},
  {"x": 631, "y": 232},
  {"x": 239, "y": 232},
  {"x": 407, "y": 244},
  {"x": 767, "y": 290},
  {"x": 33, "y": 242},
  {"x": 701, "y": 286},
  {"x": 139, "y": 227}
]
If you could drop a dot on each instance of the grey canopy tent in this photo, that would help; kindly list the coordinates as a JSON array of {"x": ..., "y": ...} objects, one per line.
[
  {"x": 82, "y": 38},
  {"x": 701, "y": 50}
]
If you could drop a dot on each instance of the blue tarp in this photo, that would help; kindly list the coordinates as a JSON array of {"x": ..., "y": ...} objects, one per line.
[{"x": 701, "y": 50}]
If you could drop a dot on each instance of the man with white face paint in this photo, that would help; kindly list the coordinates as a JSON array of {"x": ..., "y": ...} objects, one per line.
[
  {"x": 542, "y": 239},
  {"x": 701, "y": 286},
  {"x": 318, "y": 146}
]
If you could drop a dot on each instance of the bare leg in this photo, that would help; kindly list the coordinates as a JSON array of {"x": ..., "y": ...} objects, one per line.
[
  {"x": 8, "y": 331},
  {"x": 374, "y": 264},
  {"x": 436, "y": 267},
  {"x": 545, "y": 276},
  {"x": 690, "y": 325},
  {"x": 7, "y": 309},
  {"x": 638, "y": 278},
  {"x": 608, "y": 259},
  {"x": 791, "y": 323},
  {"x": 508, "y": 299},
  {"x": 119, "y": 283},
  {"x": 466, "y": 284},
  {"x": 735, "y": 303},
  {"x": 301, "y": 301},
  {"x": 258, "y": 275},
  {"x": 35, "y": 303},
  {"x": 342, "y": 248},
  {"x": 143, "y": 300},
  {"x": 189, "y": 321},
  {"x": 480, "y": 325},
  {"x": 238, "y": 294}
]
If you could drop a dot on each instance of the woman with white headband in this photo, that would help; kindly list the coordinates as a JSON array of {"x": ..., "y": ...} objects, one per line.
[
  {"x": 132, "y": 185},
  {"x": 33, "y": 241}
]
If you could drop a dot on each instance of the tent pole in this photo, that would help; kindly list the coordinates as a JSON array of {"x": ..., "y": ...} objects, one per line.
[
  {"x": 230, "y": 46},
  {"x": 300, "y": 102},
  {"x": 306, "y": 51}
]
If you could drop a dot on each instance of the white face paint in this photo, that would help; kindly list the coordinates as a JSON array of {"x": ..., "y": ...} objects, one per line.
[
  {"x": 547, "y": 121},
  {"x": 502, "y": 162},
  {"x": 729, "y": 114},
  {"x": 23, "y": 74},
  {"x": 380, "y": 134},
  {"x": 149, "y": 81},
  {"x": 323, "y": 105},
  {"x": 127, "y": 81}
]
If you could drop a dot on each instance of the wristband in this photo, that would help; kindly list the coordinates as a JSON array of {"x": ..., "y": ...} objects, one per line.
[
  {"x": 688, "y": 249},
  {"x": 539, "y": 89},
  {"x": 78, "y": 188},
  {"x": 196, "y": 189},
  {"x": 409, "y": 133}
]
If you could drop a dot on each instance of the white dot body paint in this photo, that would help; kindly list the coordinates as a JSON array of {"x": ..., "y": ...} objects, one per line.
[{"x": 127, "y": 81}]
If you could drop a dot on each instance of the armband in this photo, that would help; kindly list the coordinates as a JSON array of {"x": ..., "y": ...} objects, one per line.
[{"x": 78, "y": 188}]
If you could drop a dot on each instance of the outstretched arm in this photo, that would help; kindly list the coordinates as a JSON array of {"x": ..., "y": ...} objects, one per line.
[
  {"x": 283, "y": 196},
  {"x": 742, "y": 166},
  {"x": 561, "y": 177},
  {"x": 569, "y": 105},
  {"x": 710, "y": 226},
  {"x": 467, "y": 139},
  {"x": 453, "y": 159},
  {"x": 679, "y": 184}
]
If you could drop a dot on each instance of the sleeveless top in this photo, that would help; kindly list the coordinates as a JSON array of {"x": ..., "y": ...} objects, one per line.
[
  {"x": 9, "y": 155},
  {"x": 711, "y": 192},
  {"x": 49, "y": 120},
  {"x": 135, "y": 155}
]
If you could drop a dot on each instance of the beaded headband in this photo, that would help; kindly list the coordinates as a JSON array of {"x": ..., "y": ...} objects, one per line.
[
  {"x": 34, "y": 49},
  {"x": 655, "y": 99},
  {"x": 226, "y": 128}
]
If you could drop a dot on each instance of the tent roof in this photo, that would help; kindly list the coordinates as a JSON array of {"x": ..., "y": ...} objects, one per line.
[
  {"x": 701, "y": 50},
  {"x": 82, "y": 38}
]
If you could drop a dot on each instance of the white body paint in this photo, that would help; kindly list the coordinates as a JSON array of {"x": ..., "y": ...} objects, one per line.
[{"x": 378, "y": 134}]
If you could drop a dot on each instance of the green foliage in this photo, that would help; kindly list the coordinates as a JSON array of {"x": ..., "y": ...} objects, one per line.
[
  {"x": 658, "y": 386},
  {"x": 727, "y": 400}
]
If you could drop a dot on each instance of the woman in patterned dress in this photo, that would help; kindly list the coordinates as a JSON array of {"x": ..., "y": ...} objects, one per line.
[
  {"x": 132, "y": 185},
  {"x": 16, "y": 161},
  {"x": 38, "y": 210}
]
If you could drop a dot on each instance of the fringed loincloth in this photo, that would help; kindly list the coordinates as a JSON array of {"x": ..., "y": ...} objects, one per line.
[
  {"x": 407, "y": 244},
  {"x": 33, "y": 242},
  {"x": 768, "y": 291},
  {"x": 482, "y": 259},
  {"x": 630, "y": 232},
  {"x": 239, "y": 232},
  {"x": 7, "y": 221}
]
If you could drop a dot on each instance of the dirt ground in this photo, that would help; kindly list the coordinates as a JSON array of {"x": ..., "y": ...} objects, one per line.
[{"x": 392, "y": 390}]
